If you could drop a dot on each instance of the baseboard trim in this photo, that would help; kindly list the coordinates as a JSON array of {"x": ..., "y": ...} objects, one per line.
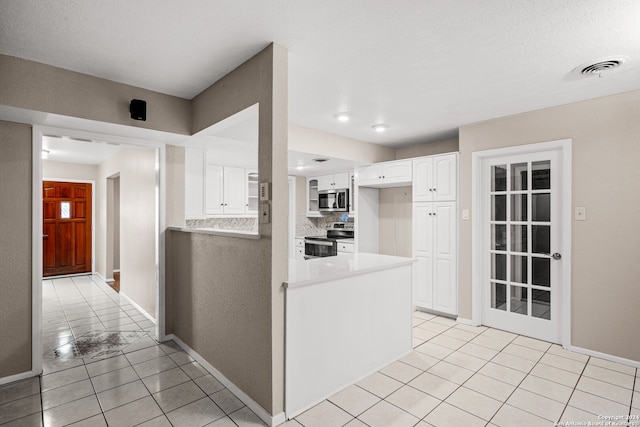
[
  {"x": 140, "y": 309},
  {"x": 605, "y": 356},
  {"x": 18, "y": 377},
  {"x": 255, "y": 407},
  {"x": 467, "y": 322}
]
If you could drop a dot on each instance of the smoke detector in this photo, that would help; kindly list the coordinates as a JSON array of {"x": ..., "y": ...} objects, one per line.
[{"x": 597, "y": 68}]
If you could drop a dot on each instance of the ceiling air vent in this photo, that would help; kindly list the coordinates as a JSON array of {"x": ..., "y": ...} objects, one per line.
[
  {"x": 320, "y": 160},
  {"x": 600, "y": 66}
]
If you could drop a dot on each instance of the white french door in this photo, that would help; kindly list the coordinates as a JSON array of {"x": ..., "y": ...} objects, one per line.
[{"x": 522, "y": 244}]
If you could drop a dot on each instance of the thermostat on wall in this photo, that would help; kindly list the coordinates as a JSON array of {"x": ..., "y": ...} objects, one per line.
[{"x": 264, "y": 191}]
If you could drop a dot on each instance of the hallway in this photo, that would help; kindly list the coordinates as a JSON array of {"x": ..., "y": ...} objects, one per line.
[{"x": 102, "y": 366}]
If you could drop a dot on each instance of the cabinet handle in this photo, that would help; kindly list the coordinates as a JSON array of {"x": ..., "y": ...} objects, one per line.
[{"x": 221, "y": 204}]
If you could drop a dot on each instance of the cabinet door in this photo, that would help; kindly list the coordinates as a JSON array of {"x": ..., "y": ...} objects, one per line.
[
  {"x": 423, "y": 180},
  {"x": 352, "y": 195},
  {"x": 214, "y": 190},
  {"x": 234, "y": 184},
  {"x": 312, "y": 197},
  {"x": 194, "y": 183},
  {"x": 370, "y": 175},
  {"x": 325, "y": 182},
  {"x": 445, "y": 172},
  {"x": 444, "y": 253},
  {"x": 252, "y": 192},
  {"x": 423, "y": 230},
  {"x": 341, "y": 180},
  {"x": 423, "y": 283},
  {"x": 397, "y": 172}
]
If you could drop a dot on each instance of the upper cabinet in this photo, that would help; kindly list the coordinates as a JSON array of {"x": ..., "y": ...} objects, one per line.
[
  {"x": 225, "y": 190},
  {"x": 252, "y": 192},
  {"x": 212, "y": 189},
  {"x": 386, "y": 174},
  {"x": 333, "y": 181},
  {"x": 435, "y": 178},
  {"x": 312, "y": 196}
]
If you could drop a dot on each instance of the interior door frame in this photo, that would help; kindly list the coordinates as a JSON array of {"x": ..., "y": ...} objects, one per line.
[
  {"x": 93, "y": 214},
  {"x": 563, "y": 147},
  {"x": 36, "y": 247}
]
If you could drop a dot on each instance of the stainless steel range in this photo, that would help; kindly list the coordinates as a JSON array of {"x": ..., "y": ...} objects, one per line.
[{"x": 322, "y": 246}]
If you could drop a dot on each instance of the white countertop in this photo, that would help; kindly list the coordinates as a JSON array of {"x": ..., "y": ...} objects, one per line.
[
  {"x": 318, "y": 270},
  {"x": 219, "y": 232}
]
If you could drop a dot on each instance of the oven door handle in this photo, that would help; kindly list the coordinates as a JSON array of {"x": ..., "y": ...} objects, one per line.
[{"x": 318, "y": 242}]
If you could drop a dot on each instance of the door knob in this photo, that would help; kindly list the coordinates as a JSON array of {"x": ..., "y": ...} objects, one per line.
[{"x": 555, "y": 256}]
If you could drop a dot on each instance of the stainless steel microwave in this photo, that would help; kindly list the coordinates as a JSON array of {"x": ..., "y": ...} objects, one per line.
[{"x": 333, "y": 200}]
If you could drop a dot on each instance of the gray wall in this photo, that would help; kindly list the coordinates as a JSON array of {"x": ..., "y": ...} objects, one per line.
[
  {"x": 39, "y": 87},
  {"x": 429, "y": 149},
  {"x": 605, "y": 179},
  {"x": 224, "y": 295},
  {"x": 15, "y": 248}
]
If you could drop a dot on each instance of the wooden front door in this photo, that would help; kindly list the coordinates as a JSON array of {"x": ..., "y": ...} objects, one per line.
[{"x": 66, "y": 240}]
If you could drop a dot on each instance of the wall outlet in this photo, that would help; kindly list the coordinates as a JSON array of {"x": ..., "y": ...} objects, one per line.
[
  {"x": 265, "y": 213},
  {"x": 580, "y": 213}
]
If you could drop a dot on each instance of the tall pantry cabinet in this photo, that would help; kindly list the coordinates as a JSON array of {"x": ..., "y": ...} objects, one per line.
[{"x": 435, "y": 233}]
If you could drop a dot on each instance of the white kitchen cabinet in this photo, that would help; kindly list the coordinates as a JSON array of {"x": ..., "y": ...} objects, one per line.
[
  {"x": 333, "y": 181},
  {"x": 353, "y": 196},
  {"x": 194, "y": 165},
  {"x": 224, "y": 190},
  {"x": 386, "y": 174},
  {"x": 252, "y": 192},
  {"x": 345, "y": 247},
  {"x": 312, "y": 197},
  {"x": 435, "y": 178},
  {"x": 214, "y": 190},
  {"x": 299, "y": 248},
  {"x": 435, "y": 248}
]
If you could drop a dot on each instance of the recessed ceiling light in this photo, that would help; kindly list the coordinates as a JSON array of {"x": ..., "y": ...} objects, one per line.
[
  {"x": 300, "y": 167},
  {"x": 380, "y": 127},
  {"x": 342, "y": 117}
]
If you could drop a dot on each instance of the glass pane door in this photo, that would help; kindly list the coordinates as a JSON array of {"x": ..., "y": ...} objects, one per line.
[{"x": 523, "y": 229}]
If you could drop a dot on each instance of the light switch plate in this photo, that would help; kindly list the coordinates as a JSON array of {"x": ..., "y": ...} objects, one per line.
[
  {"x": 264, "y": 192},
  {"x": 465, "y": 214},
  {"x": 580, "y": 213}
]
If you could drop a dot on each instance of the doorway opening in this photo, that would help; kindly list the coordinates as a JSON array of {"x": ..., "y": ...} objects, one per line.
[
  {"x": 113, "y": 232},
  {"x": 127, "y": 180}
]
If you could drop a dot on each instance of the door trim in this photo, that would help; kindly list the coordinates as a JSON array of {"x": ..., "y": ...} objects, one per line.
[
  {"x": 37, "y": 133},
  {"x": 563, "y": 146}
]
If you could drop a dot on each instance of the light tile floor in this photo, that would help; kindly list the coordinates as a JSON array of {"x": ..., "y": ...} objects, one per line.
[
  {"x": 109, "y": 370},
  {"x": 460, "y": 375},
  {"x": 103, "y": 366}
]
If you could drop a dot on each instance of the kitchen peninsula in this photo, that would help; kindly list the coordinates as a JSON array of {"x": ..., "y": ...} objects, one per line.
[{"x": 346, "y": 317}]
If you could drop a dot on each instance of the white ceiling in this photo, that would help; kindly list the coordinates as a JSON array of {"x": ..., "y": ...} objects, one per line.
[
  {"x": 424, "y": 67},
  {"x": 83, "y": 151}
]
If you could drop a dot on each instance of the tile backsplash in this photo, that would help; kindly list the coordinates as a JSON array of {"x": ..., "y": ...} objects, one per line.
[
  {"x": 305, "y": 226},
  {"x": 240, "y": 224},
  {"x": 314, "y": 226}
]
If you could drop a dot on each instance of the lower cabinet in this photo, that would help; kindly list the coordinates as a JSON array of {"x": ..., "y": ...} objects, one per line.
[{"x": 435, "y": 249}]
